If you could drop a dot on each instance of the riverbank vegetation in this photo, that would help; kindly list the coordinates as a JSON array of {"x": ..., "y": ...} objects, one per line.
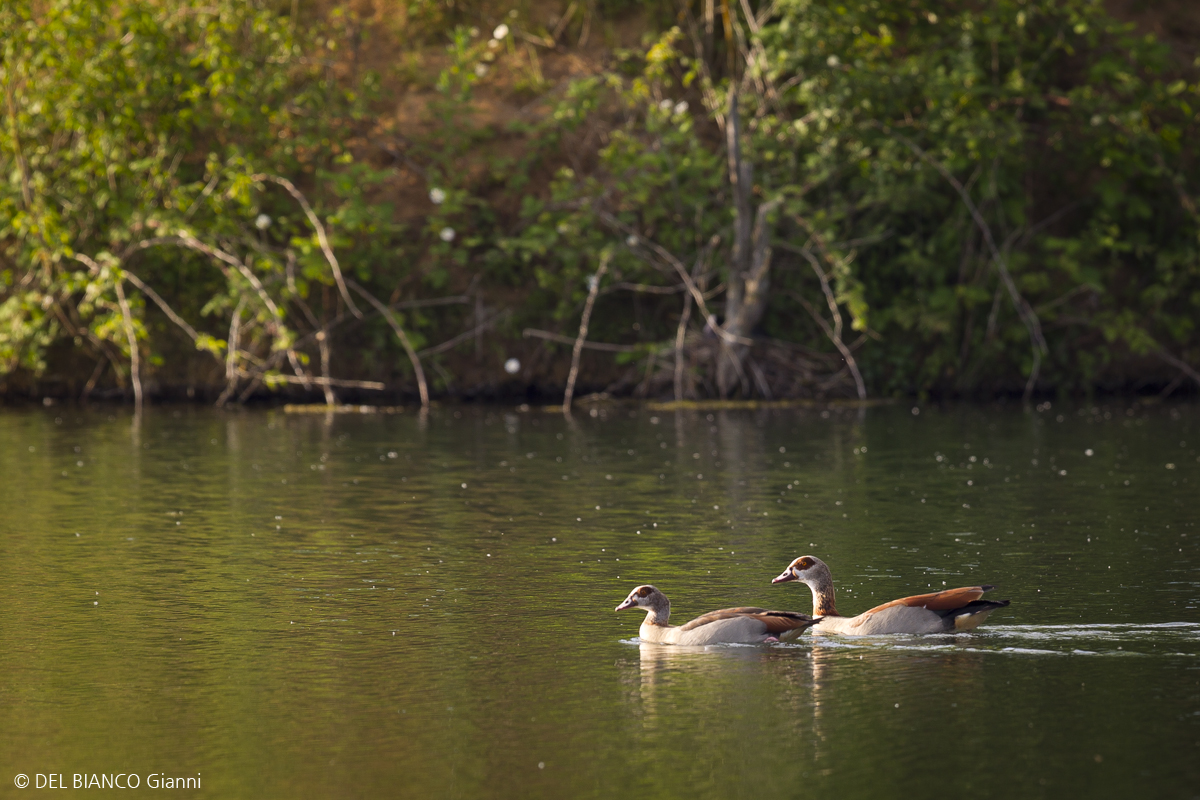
[{"x": 682, "y": 199}]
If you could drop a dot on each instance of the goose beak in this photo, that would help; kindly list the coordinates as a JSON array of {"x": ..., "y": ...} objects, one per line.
[
  {"x": 785, "y": 577},
  {"x": 628, "y": 603}
]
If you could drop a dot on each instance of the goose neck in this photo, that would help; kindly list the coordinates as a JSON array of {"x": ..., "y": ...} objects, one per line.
[
  {"x": 658, "y": 612},
  {"x": 824, "y": 600}
]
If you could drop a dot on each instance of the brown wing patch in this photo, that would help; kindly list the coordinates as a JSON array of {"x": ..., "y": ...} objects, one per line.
[
  {"x": 776, "y": 621},
  {"x": 947, "y": 600},
  {"x": 724, "y": 613},
  {"x": 783, "y": 621}
]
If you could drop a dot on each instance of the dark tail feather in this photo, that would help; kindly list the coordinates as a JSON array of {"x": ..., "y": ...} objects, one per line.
[
  {"x": 972, "y": 615},
  {"x": 974, "y": 607},
  {"x": 979, "y": 605}
]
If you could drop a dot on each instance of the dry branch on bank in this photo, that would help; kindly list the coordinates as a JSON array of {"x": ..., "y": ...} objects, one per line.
[{"x": 593, "y": 289}]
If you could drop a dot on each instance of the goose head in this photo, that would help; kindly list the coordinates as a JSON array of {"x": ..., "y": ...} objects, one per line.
[
  {"x": 806, "y": 569},
  {"x": 649, "y": 599}
]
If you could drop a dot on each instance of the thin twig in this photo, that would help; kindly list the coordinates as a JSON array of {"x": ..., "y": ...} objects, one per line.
[
  {"x": 323, "y": 345},
  {"x": 834, "y": 332},
  {"x": 835, "y": 337},
  {"x": 681, "y": 270},
  {"x": 993, "y": 315},
  {"x": 593, "y": 289},
  {"x": 760, "y": 378},
  {"x": 255, "y": 382},
  {"x": 1172, "y": 386},
  {"x": 162, "y": 304},
  {"x": 131, "y": 335},
  {"x": 300, "y": 373},
  {"x": 1180, "y": 364},
  {"x": 22, "y": 166},
  {"x": 207, "y": 191},
  {"x": 644, "y": 386},
  {"x": 709, "y": 94},
  {"x": 422, "y": 388},
  {"x": 1024, "y": 310},
  {"x": 376, "y": 385},
  {"x": 191, "y": 242},
  {"x": 101, "y": 363},
  {"x": 644, "y": 288},
  {"x": 231, "y": 352},
  {"x": 562, "y": 23},
  {"x": 681, "y": 333},
  {"x": 464, "y": 336},
  {"x": 316, "y": 223},
  {"x": 558, "y": 337},
  {"x": 1085, "y": 287}
]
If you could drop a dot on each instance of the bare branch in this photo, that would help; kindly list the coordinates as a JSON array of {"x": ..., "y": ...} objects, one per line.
[
  {"x": 464, "y": 336},
  {"x": 1078, "y": 290},
  {"x": 593, "y": 289},
  {"x": 131, "y": 337},
  {"x": 231, "y": 352},
  {"x": 300, "y": 373},
  {"x": 207, "y": 191},
  {"x": 741, "y": 179},
  {"x": 101, "y": 363},
  {"x": 562, "y": 23},
  {"x": 458, "y": 299},
  {"x": 191, "y": 242},
  {"x": 681, "y": 270},
  {"x": 558, "y": 337},
  {"x": 316, "y": 223},
  {"x": 711, "y": 100},
  {"x": 834, "y": 333},
  {"x": 1180, "y": 364},
  {"x": 375, "y": 385},
  {"x": 403, "y": 337},
  {"x": 644, "y": 288},
  {"x": 1185, "y": 200},
  {"x": 22, "y": 166},
  {"x": 759, "y": 378},
  {"x": 166, "y": 309},
  {"x": 1024, "y": 310},
  {"x": 681, "y": 332},
  {"x": 323, "y": 345}
]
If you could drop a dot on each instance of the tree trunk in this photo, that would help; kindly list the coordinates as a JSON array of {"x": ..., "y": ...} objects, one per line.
[{"x": 750, "y": 266}]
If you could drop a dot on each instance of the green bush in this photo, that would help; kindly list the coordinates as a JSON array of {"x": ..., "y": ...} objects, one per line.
[{"x": 970, "y": 198}]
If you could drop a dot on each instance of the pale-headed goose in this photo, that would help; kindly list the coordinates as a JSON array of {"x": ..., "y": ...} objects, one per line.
[
  {"x": 745, "y": 625},
  {"x": 950, "y": 611}
]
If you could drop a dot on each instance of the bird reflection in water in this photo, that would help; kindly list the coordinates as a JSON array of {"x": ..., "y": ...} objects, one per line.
[{"x": 818, "y": 691}]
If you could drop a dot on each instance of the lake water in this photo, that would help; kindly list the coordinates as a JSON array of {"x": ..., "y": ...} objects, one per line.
[{"x": 379, "y": 605}]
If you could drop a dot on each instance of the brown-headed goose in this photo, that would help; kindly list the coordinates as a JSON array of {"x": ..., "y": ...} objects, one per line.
[
  {"x": 950, "y": 611},
  {"x": 745, "y": 625}
]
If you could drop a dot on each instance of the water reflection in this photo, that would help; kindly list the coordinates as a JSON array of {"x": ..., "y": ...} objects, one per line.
[{"x": 325, "y": 602}]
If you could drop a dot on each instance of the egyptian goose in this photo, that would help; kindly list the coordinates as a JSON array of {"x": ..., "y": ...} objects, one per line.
[
  {"x": 951, "y": 611},
  {"x": 744, "y": 625}
]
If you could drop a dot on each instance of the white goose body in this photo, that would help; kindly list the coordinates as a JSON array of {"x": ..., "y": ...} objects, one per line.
[
  {"x": 949, "y": 611},
  {"x": 742, "y": 625}
]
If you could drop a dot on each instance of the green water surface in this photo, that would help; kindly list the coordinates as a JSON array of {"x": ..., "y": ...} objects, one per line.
[{"x": 389, "y": 606}]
